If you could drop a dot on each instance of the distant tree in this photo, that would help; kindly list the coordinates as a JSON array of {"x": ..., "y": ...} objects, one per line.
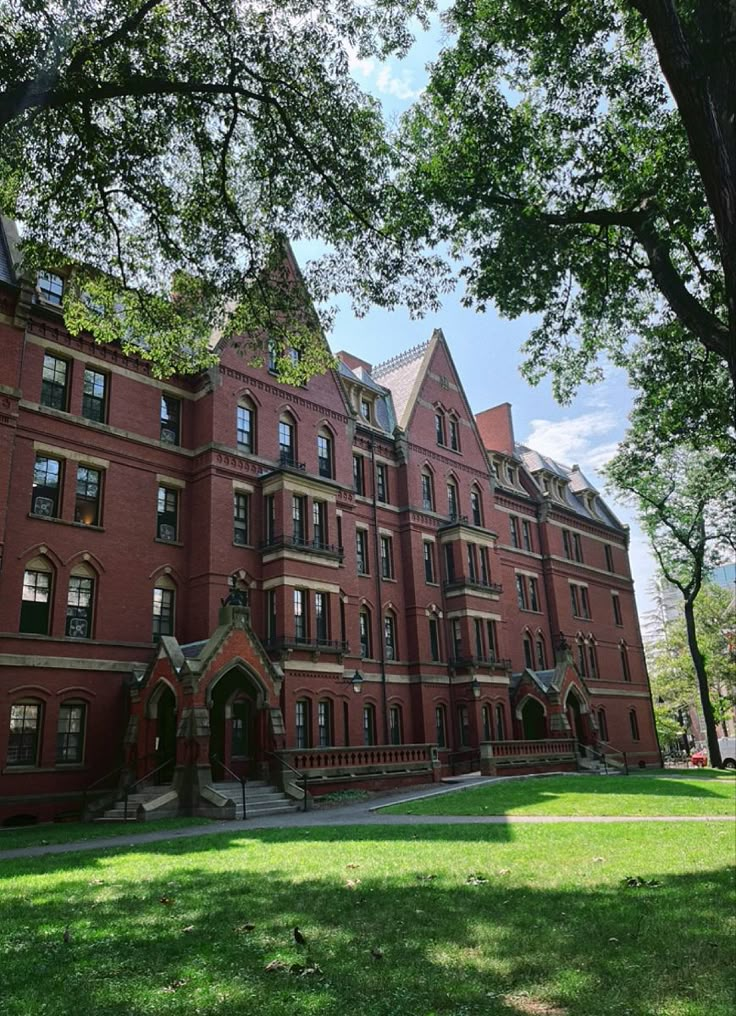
[
  {"x": 163, "y": 150},
  {"x": 580, "y": 159},
  {"x": 686, "y": 502}
]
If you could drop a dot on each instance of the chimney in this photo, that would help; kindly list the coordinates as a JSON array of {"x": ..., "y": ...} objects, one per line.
[
  {"x": 497, "y": 429},
  {"x": 354, "y": 362}
]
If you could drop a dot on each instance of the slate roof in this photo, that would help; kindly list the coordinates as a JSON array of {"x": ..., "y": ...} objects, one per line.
[
  {"x": 399, "y": 375},
  {"x": 384, "y": 409},
  {"x": 575, "y": 483},
  {"x": 193, "y": 649}
]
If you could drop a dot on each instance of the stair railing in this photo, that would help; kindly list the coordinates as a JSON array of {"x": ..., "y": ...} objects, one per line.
[
  {"x": 97, "y": 782},
  {"x": 302, "y": 776},
  {"x": 218, "y": 761},
  {"x": 611, "y": 750},
  {"x": 132, "y": 786}
]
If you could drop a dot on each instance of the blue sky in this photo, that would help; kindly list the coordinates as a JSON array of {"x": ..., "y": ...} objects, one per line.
[{"x": 486, "y": 347}]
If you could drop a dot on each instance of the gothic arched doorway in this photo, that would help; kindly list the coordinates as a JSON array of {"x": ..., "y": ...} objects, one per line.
[
  {"x": 165, "y": 743},
  {"x": 236, "y": 727},
  {"x": 533, "y": 720},
  {"x": 576, "y": 721}
]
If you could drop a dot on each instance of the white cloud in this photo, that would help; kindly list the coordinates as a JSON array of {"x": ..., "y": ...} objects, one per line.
[
  {"x": 571, "y": 441},
  {"x": 359, "y": 65},
  {"x": 399, "y": 86}
]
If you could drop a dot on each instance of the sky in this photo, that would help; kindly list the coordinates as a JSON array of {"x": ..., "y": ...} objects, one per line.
[{"x": 487, "y": 348}]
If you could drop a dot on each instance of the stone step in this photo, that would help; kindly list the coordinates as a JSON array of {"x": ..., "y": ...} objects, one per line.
[{"x": 280, "y": 809}]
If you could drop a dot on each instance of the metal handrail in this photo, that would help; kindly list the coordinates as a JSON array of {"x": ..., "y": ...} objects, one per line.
[
  {"x": 452, "y": 756},
  {"x": 617, "y": 751},
  {"x": 101, "y": 779},
  {"x": 302, "y": 776},
  {"x": 240, "y": 779},
  {"x": 130, "y": 786}
]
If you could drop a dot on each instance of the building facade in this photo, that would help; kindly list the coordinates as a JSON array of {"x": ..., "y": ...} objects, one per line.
[{"x": 200, "y": 572}]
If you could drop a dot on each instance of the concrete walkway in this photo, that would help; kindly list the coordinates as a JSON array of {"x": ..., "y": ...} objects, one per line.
[{"x": 360, "y": 813}]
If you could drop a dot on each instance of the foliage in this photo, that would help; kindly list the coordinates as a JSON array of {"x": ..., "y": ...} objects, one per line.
[
  {"x": 161, "y": 151},
  {"x": 550, "y": 929},
  {"x": 548, "y": 154}
]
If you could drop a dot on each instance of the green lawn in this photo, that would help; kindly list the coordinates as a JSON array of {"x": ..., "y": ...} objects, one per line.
[
  {"x": 630, "y": 796},
  {"x": 470, "y": 921},
  {"x": 74, "y": 832}
]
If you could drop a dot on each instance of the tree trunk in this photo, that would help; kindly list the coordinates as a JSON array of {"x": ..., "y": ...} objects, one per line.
[{"x": 714, "y": 752}]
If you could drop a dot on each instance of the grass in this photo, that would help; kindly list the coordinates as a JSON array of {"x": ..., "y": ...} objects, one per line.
[
  {"x": 628, "y": 796},
  {"x": 470, "y": 920},
  {"x": 75, "y": 832}
]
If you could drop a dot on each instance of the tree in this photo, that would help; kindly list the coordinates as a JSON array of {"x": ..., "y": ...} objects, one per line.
[
  {"x": 162, "y": 150},
  {"x": 580, "y": 159},
  {"x": 686, "y": 502}
]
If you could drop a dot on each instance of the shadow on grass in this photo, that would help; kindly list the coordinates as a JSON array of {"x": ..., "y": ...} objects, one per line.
[{"x": 449, "y": 948}]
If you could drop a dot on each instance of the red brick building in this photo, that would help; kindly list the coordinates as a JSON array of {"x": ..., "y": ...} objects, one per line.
[{"x": 398, "y": 574}]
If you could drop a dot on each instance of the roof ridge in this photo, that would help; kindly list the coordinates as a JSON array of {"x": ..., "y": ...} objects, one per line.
[{"x": 400, "y": 359}]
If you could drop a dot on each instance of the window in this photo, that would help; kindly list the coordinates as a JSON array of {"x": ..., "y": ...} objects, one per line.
[
  {"x": 454, "y": 435},
  {"x": 94, "y": 396},
  {"x": 241, "y": 519},
  {"x": 79, "y": 604},
  {"x": 25, "y": 729},
  {"x": 475, "y": 507},
  {"x": 361, "y": 550},
  {"x": 271, "y": 614},
  {"x": 472, "y": 567},
  {"x": 319, "y": 523},
  {"x": 244, "y": 428},
  {"x": 271, "y": 356},
  {"x": 440, "y": 727},
  {"x": 365, "y": 409},
  {"x": 485, "y": 570},
  {"x": 287, "y": 451},
  {"x": 533, "y": 594},
  {"x": 528, "y": 656},
  {"x": 634, "y": 725},
  {"x": 617, "y": 616},
  {"x": 526, "y": 535},
  {"x": 394, "y": 725},
  {"x": 486, "y": 718},
  {"x": 478, "y": 626},
  {"x": 434, "y": 639},
  {"x": 453, "y": 509},
  {"x": 579, "y": 601},
  {"x": 567, "y": 543},
  {"x": 514, "y": 529},
  {"x": 45, "y": 498},
  {"x": 301, "y": 723},
  {"x": 449, "y": 563},
  {"x": 324, "y": 724},
  {"x": 170, "y": 419},
  {"x": 324, "y": 453},
  {"x": 369, "y": 724},
  {"x": 457, "y": 639},
  {"x": 382, "y": 483},
  {"x": 35, "y": 608},
  {"x": 269, "y": 518},
  {"x": 592, "y": 660},
  {"x": 389, "y": 637},
  {"x": 168, "y": 514},
  {"x": 163, "y": 612},
  {"x": 522, "y": 598},
  {"x": 625, "y": 669},
  {"x": 70, "y": 733},
  {"x": 572, "y": 545},
  {"x": 500, "y": 723},
  {"x": 50, "y": 287},
  {"x": 427, "y": 491},
  {"x": 387, "y": 557},
  {"x": 364, "y": 626},
  {"x": 582, "y": 660},
  {"x": 577, "y": 546},
  {"x": 358, "y": 475},
  {"x": 463, "y": 724},
  {"x": 300, "y": 617},
  {"x": 491, "y": 638},
  {"x": 55, "y": 382},
  {"x": 321, "y": 618},
  {"x": 428, "y": 551},
  {"x": 602, "y": 725},
  {"x": 239, "y": 745},
  {"x": 541, "y": 654},
  {"x": 298, "y": 522},
  {"x": 87, "y": 503},
  {"x": 439, "y": 428},
  {"x": 609, "y": 557}
]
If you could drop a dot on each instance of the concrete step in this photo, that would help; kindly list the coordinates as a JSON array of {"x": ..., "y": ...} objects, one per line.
[{"x": 261, "y": 799}]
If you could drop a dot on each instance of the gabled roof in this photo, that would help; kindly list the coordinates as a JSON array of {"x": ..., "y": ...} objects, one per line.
[
  {"x": 579, "y": 494},
  {"x": 402, "y": 375}
]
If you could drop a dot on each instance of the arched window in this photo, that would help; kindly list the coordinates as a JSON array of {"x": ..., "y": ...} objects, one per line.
[
  {"x": 369, "y": 724},
  {"x": 541, "y": 652},
  {"x": 245, "y": 423},
  {"x": 164, "y": 603},
  {"x": 500, "y": 723},
  {"x": 528, "y": 654},
  {"x": 391, "y": 648},
  {"x": 287, "y": 440},
  {"x": 476, "y": 506},
  {"x": 453, "y": 503},
  {"x": 25, "y": 732},
  {"x": 35, "y": 608},
  {"x": 463, "y": 725},
  {"x": 324, "y": 452},
  {"x": 325, "y": 724},
  {"x": 302, "y": 724},
  {"x": 439, "y": 427},
  {"x": 624, "y": 654},
  {"x": 634, "y": 724},
  {"x": 80, "y": 600},
  {"x": 454, "y": 432},
  {"x": 602, "y": 725},
  {"x": 395, "y": 725},
  {"x": 592, "y": 659},
  {"x": 427, "y": 490},
  {"x": 440, "y": 726},
  {"x": 582, "y": 658},
  {"x": 486, "y": 717},
  {"x": 366, "y": 641},
  {"x": 70, "y": 730}
]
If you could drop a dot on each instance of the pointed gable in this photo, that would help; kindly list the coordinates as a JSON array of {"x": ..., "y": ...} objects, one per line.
[{"x": 402, "y": 375}]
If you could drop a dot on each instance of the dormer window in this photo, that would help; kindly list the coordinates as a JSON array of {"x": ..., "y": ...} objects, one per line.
[
  {"x": 365, "y": 409},
  {"x": 50, "y": 288},
  {"x": 511, "y": 473}
]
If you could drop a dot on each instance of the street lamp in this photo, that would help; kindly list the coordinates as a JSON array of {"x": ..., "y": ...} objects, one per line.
[
  {"x": 475, "y": 685},
  {"x": 356, "y": 681}
]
